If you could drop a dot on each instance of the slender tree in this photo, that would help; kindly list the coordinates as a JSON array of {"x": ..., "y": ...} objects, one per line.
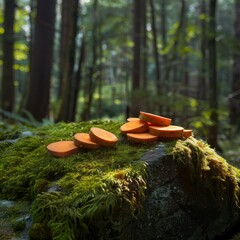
[
  {"x": 235, "y": 85},
  {"x": 7, "y": 89},
  {"x": 67, "y": 59},
  {"x": 164, "y": 32},
  {"x": 78, "y": 79},
  {"x": 213, "y": 90},
  {"x": 41, "y": 66},
  {"x": 136, "y": 70},
  {"x": 144, "y": 46},
  {"x": 172, "y": 66},
  {"x": 203, "y": 46},
  {"x": 155, "y": 47},
  {"x": 90, "y": 85}
]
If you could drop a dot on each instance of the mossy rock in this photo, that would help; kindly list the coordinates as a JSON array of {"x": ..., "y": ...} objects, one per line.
[
  {"x": 192, "y": 193},
  {"x": 80, "y": 194},
  {"x": 101, "y": 194}
]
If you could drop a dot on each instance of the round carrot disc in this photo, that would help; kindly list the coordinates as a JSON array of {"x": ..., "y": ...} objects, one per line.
[
  {"x": 84, "y": 140},
  {"x": 187, "y": 133},
  {"x": 62, "y": 148},
  {"x": 170, "y": 131},
  {"x": 102, "y": 137},
  {"x": 141, "y": 137},
  {"x": 132, "y": 119},
  {"x": 136, "y": 126},
  {"x": 155, "y": 119}
]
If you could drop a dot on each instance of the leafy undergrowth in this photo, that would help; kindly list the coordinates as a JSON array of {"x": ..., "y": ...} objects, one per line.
[{"x": 79, "y": 196}]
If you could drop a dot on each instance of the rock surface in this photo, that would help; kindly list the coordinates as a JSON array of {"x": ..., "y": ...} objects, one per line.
[{"x": 169, "y": 213}]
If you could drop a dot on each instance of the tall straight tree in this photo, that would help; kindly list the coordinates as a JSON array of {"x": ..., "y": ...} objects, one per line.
[
  {"x": 144, "y": 46},
  {"x": 41, "y": 65},
  {"x": 155, "y": 47},
  {"x": 203, "y": 70},
  {"x": 213, "y": 88},
  {"x": 235, "y": 86},
  {"x": 91, "y": 84},
  {"x": 7, "y": 89},
  {"x": 67, "y": 58},
  {"x": 136, "y": 70}
]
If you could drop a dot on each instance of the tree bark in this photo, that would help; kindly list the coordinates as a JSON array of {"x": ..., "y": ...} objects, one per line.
[
  {"x": 235, "y": 84},
  {"x": 213, "y": 88},
  {"x": 136, "y": 69},
  {"x": 78, "y": 77},
  {"x": 156, "y": 55},
  {"x": 67, "y": 58},
  {"x": 86, "y": 113},
  {"x": 7, "y": 89},
  {"x": 203, "y": 70},
  {"x": 33, "y": 7},
  {"x": 41, "y": 67},
  {"x": 172, "y": 66},
  {"x": 144, "y": 46}
]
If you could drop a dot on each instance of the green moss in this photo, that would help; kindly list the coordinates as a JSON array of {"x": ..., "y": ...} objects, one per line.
[
  {"x": 81, "y": 196},
  {"x": 90, "y": 187},
  {"x": 18, "y": 225},
  {"x": 206, "y": 175},
  {"x": 9, "y": 132},
  {"x": 39, "y": 231}
]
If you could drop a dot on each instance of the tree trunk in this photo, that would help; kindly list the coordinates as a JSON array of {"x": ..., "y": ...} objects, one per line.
[
  {"x": 136, "y": 70},
  {"x": 41, "y": 67},
  {"x": 203, "y": 70},
  {"x": 33, "y": 7},
  {"x": 235, "y": 85},
  {"x": 86, "y": 113},
  {"x": 144, "y": 46},
  {"x": 67, "y": 58},
  {"x": 78, "y": 77},
  {"x": 73, "y": 81},
  {"x": 7, "y": 94},
  {"x": 164, "y": 77},
  {"x": 156, "y": 55},
  {"x": 172, "y": 66},
  {"x": 213, "y": 90}
]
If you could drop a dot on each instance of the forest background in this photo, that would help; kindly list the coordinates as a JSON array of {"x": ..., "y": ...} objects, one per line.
[{"x": 77, "y": 60}]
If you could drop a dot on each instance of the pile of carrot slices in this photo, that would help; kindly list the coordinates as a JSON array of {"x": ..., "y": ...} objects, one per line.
[
  {"x": 146, "y": 128},
  {"x": 96, "y": 138},
  {"x": 149, "y": 127}
]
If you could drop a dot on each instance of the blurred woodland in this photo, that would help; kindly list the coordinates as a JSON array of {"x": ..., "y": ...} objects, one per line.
[{"x": 77, "y": 60}]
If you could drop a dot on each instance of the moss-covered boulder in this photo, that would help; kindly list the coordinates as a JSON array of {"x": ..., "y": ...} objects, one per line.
[
  {"x": 192, "y": 193},
  {"x": 174, "y": 190}
]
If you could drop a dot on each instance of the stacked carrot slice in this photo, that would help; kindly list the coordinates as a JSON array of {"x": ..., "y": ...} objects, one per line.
[
  {"x": 146, "y": 128},
  {"x": 96, "y": 138},
  {"x": 150, "y": 127}
]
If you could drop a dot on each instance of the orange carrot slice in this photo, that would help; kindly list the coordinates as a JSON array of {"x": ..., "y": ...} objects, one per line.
[
  {"x": 132, "y": 119},
  {"x": 102, "y": 137},
  {"x": 136, "y": 126},
  {"x": 155, "y": 119},
  {"x": 170, "y": 131},
  {"x": 63, "y": 148},
  {"x": 141, "y": 137},
  {"x": 84, "y": 140},
  {"x": 187, "y": 133}
]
